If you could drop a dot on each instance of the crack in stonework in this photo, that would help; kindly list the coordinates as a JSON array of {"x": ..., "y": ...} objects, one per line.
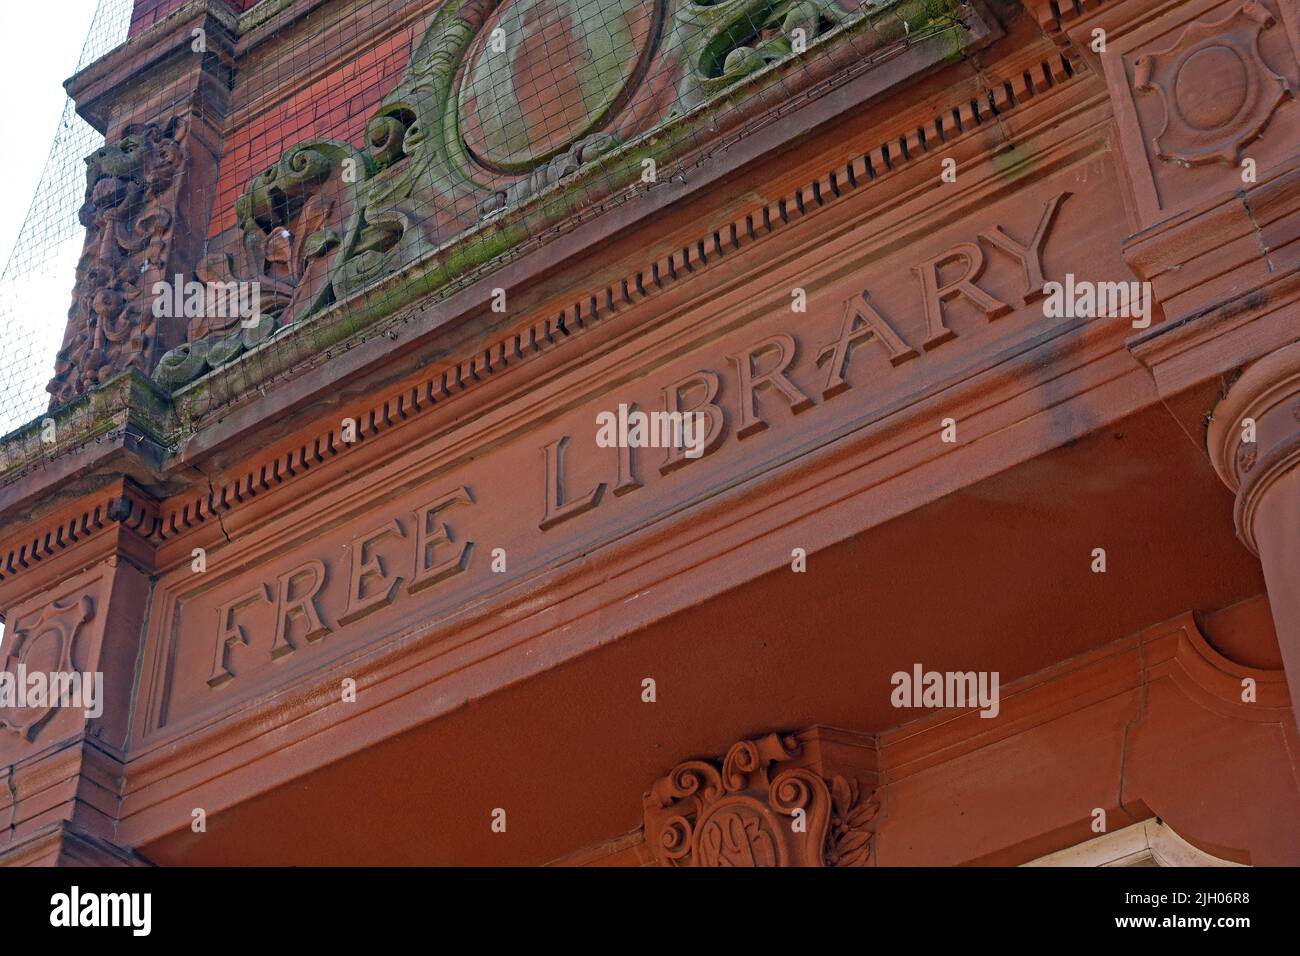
[
  {"x": 1142, "y": 710},
  {"x": 13, "y": 801},
  {"x": 1259, "y": 233},
  {"x": 212, "y": 499}
]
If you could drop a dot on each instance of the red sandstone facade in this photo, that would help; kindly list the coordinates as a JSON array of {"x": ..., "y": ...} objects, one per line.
[{"x": 431, "y": 605}]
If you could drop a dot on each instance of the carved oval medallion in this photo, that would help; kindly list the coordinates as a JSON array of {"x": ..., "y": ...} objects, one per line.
[
  {"x": 739, "y": 832},
  {"x": 1212, "y": 86},
  {"x": 542, "y": 74}
]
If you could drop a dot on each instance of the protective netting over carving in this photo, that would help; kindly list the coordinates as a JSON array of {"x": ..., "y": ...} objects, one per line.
[
  {"x": 36, "y": 283},
  {"x": 381, "y": 156}
]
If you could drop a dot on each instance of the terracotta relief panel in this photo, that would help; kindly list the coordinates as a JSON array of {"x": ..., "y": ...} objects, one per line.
[
  {"x": 1204, "y": 101},
  {"x": 43, "y": 643},
  {"x": 510, "y": 116}
]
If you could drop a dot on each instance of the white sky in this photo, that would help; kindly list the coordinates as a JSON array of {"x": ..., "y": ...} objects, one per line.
[{"x": 39, "y": 46}]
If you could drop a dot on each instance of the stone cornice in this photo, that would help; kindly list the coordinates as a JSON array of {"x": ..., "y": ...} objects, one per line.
[
  {"x": 478, "y": 217},
  {"x": 130, "y": 411},
  {"x": 115, "y": 519},
  {"x": 409, "y": 454},
  {"x": 1068, "y": 20}
]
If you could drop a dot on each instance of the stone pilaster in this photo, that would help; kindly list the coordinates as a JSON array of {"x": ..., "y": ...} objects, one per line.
[
  {"x": 1254, "y": 442},
  {"x": 1206, "y": 134},
  {"x": 74, "y": 596}
]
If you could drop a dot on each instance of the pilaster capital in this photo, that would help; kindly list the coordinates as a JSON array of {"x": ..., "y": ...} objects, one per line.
[
  {"x": 1254, "y": 434},
  {"x": 806, "y": 799}
]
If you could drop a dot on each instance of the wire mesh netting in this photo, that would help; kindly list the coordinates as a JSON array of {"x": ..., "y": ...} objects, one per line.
[
  {"x": 36, "y": 283},
  {"x": 378, "y": 154}
]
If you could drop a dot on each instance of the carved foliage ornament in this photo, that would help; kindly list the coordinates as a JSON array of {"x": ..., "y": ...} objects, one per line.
[
  {"x": 758, "y": 808},
  {"x": 1218, "y": 93},
  {"x": 294, "y": 219},
  {"x": 500, "y": 101},
  {"x": 129, "y": 212}
]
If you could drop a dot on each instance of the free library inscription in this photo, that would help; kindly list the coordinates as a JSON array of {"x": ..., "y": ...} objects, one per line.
[{"x": 431, "y": 542}]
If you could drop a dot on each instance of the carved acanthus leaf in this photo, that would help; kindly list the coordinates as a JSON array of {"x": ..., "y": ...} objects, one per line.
[{"x": 467, "y": 136}]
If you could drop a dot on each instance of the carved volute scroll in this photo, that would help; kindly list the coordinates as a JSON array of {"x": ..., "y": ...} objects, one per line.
[
  {"x": 129, "y": 214},
  {"x": 759, "y": 807},
  {"x": 465, "y": 135}
]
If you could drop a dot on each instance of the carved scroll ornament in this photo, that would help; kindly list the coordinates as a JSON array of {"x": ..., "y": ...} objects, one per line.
[
  {"x": 295, "y": 219},
  {"x": 758, "y": 808}
]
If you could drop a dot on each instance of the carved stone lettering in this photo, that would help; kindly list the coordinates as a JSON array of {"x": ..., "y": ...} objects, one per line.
[
  {"x": 431, "y": 534},
  {"x": 475, "y": 129},
  {"x": 231, "y": 633},
  {"x": 935, "y": 292},
  {"x": 705, "y": 384},
  {"x": 772, "y": 378},
  {"x": 559, "y": 506},
  {"x": 369, "y": 585},
  {"x": 300, "y": 595},
  {"x": 625, "y": 480},
  {"x": 294, "y": 607},
  {"x": 425, "y": 545},
  {"x": 861, "y": 321},
  {"x": 769, "y": 365},
  {"x": 1030, "y": 257}
]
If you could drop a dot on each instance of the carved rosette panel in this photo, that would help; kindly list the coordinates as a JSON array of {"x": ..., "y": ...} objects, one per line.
[
  {"x": 1217, "y": 91},
  {"x": 43, "y": 643},
  {"x": 759, "y": 807},
  {"x": 129, "y": 215},
  {"x": 502, "y": 100}
]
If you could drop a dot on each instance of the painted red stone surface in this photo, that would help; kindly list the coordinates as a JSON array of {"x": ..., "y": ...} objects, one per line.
[{"x": 372, "y": 560}]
